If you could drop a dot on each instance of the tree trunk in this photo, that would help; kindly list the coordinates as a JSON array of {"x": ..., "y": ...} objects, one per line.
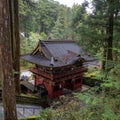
[
  {"x": 108, "y": 52},
  {"x": 110, "y": 36},
  {"x": 0, "y": 69},
  {"x": 104, "y": 59},
  {"x": 16, "y": 60},
  {"x": 8, "y": 88},
  {"x": 14, "y": 19}
]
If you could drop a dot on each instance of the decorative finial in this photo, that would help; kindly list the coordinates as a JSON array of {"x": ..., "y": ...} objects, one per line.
[{"x": 52, "y": 61}]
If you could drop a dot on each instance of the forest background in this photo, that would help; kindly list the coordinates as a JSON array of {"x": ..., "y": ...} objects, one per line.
[{"x": 96, "y": 32}]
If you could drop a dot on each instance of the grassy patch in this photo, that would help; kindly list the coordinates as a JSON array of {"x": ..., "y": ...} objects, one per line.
[
  {"x": 30, "y": 118},
  {"x": 28, "y": 95}
]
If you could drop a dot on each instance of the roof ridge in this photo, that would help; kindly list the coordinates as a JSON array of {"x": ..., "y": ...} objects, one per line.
[{"x": 45, "y": 48}]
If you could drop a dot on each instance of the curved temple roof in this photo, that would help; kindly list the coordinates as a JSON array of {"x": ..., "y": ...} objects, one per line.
[{"x": 55, "y": 53}]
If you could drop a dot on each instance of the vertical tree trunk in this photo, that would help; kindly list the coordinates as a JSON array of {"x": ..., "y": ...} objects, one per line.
[
  {"x": 110, "y": 36},
  {"x": 8, "y": 88},
  {"x": 14, "y": 19},
  {"x": 0, "y": 70},
  {"x": 104, "y": 59},
  {"x": 108, "y": 52},
  {"x": 16, "y": 60}
]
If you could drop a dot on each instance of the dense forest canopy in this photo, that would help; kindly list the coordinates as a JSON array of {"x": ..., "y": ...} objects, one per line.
[
  {"x": 52, "y": 20},
  {"x": 45, "y": 20}
]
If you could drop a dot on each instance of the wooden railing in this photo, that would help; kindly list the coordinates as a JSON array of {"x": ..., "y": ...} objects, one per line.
[{"x": 56, "y": 76}]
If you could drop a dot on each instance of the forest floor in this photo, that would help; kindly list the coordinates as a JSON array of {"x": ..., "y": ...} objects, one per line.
[
  {"x": 69, "y": 99},
  {"x": 62, "y": 103},
  {"x": 65, "y": 105}
]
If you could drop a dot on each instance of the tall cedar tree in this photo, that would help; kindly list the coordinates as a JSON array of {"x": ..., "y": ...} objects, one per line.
[
  {"x": 97, "y": 29},
  {"x": 111, "y": 12},
  {"x": 15, "y": 42},
  {"x": 8, "y": 88}
]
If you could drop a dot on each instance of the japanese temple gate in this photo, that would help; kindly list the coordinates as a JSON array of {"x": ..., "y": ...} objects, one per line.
[{"x": 58, "y": 65}]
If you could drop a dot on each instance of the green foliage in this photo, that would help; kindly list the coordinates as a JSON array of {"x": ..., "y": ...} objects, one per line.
[
  {"x": 92, "y": 29},
  {"x": 46, "y": 16},
  {"x": 45, "y": 19},
  {"x": 62, "y": 28},
  {"x": 38, "y": 16},
  {"x": 43, "y": 36},
  {"x": 31, "y": 118},
  {"x": 104, "y": 105},
  {"x": 58, "y": 114},
  {"x": 101, "y": 102},
  {"x": 29, "y": 43},
  {"x": 28, "y": 95}
]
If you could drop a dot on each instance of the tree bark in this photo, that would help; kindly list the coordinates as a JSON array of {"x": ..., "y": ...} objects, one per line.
[
  {"x": 108, "y": 52},
  {"x": 110, "y": 36},
  {"x": 14, "y": 19},
  {"x": 8, "y": 88},
  {"x": 0, "y": 69},
  {"x": 16, "y": 60}
]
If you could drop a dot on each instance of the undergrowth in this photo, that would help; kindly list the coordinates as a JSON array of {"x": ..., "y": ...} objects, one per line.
[{"x": 101, "y": 102}]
